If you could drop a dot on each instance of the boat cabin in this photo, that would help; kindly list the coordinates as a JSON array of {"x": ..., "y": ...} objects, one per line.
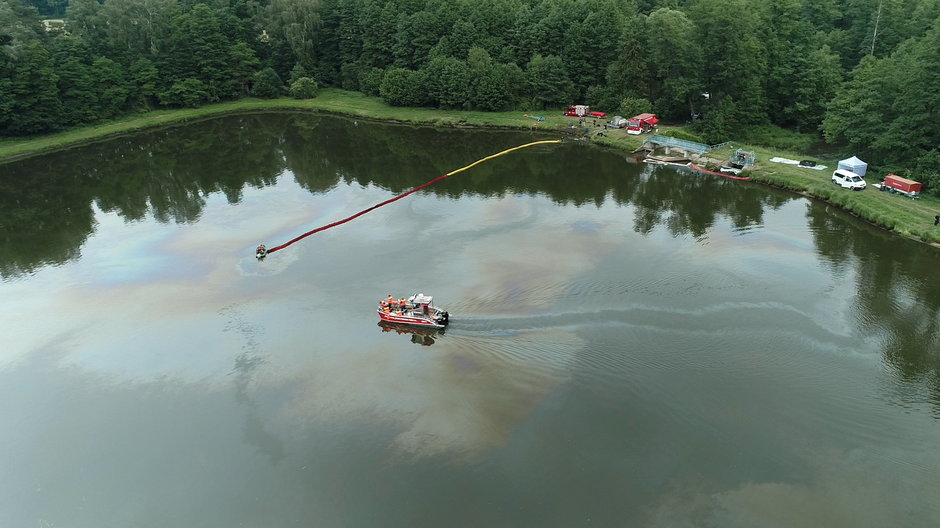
[{"x": 420, "y": 302}]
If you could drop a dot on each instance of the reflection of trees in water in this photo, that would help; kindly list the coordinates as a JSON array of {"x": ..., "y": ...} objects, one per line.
[
  {"x": 169, "y": 172},
  {"x": 900, "y": 301},
  {"x": 690, "y": 203},
  {"x": 178, "y": 167},
  {"x": 43, "y": 220},
  {"x": 46, "y": 201}
]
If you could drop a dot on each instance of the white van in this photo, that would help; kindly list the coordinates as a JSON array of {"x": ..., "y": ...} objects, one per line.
[{"x": 848, "y": 180}]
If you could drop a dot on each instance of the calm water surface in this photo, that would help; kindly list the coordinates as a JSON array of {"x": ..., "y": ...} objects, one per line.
[{"x": 629, "y": 345}]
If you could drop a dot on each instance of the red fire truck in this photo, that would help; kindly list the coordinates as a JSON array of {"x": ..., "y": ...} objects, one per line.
[
  {"x": 641, "y": 123},
  {"x": 583, "y": 111}
]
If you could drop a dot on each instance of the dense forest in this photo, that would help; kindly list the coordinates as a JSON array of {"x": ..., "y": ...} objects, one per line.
[{"x": 862, "y": 73}]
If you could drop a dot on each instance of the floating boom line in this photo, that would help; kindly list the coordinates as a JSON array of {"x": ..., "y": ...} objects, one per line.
[{"x": 261, "y": 251}]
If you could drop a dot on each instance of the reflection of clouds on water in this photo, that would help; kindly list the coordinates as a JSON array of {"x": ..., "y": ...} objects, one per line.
[
  {"x": 149, "y": 306},
  {"x": 507, "y": 260},
  {"x": 460, "y": 397},
  {"x": 847, "y": 490},
  {"x": 138, "y": 332},
  {"x": 465, "y": 394},
  {"x": 247, "y": 364},
  {"x": 586, "y": 227}
]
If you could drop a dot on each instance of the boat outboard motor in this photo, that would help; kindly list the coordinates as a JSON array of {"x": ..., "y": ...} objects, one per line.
[{"x": 445, "y": 317}]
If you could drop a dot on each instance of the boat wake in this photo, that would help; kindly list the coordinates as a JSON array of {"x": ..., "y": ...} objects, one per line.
[{"x": 508, "y": 326}]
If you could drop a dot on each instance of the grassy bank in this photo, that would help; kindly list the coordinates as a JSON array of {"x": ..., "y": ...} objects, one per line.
[
  {"x": 910, "y": 218},
  {"x": 895, "y": 212},
  {"x": 904, "y": 216}
]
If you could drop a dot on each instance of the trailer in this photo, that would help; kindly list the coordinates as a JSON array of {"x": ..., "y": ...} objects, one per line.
[{"x": 898, "y": 185}]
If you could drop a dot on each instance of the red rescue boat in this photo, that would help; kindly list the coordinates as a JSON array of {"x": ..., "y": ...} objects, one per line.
[{"x": 416, "y": 310}]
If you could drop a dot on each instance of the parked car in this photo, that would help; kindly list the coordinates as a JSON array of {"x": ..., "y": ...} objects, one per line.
[{"x": 848, "y": 180}]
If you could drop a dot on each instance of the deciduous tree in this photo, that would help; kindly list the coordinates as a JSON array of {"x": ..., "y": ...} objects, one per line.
[
  {"x": 675, "y": 63},
  {"x": 188, "y": 92},
  {"x": 84, "y": 19},
  {"x": 267, "y": 84},
  {"x": 402, "y": 87},
  {"x": 138, "y": 28},
  {"x": 859, "y": 111},
  {"x": 143, "y": 83},
  {"x": 19, "y": 25},
  {"x": 34, "y": 86},
  {"x": 111, "y": 85},
  {"x": 733, "y": 60},
  {"x": 912, "y": 125},
  {"x": 447, "y": 81},
  {"x": 243, "y": 64},
  {"x": 548, "y": 82},
  {"x": 297, "y": 22},
  {"x": 199, "y": 50},
  {"x": 489, "y": 90},
  {"x": 303, "y": 88},
  {"x": 78, "y": 92}
]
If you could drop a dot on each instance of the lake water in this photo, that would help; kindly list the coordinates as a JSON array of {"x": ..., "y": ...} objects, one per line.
[{"x": 629, "y": 345}]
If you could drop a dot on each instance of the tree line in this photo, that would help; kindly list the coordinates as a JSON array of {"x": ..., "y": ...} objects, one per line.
[{"x": 863, "y": 73}]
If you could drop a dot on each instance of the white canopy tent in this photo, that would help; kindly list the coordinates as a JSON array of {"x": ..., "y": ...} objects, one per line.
[{"x": 855, "y": 165}]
